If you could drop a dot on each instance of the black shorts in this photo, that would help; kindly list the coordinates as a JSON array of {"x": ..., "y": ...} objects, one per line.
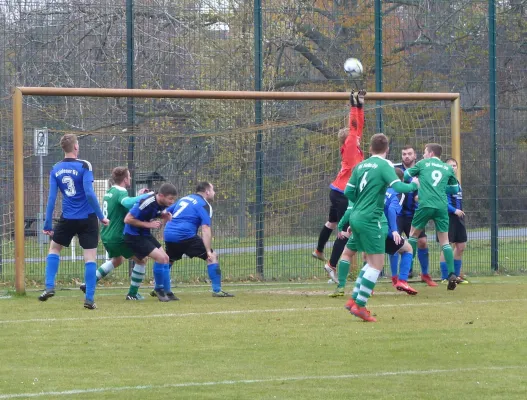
[
  {"x": 390, "y": 247},
  {"x": 457, "y": 233},
  {"x": 193, "y": 247},
  {"x": 141, "y": 246},
  {"x": 86, "y": 229},
  {"x": 404, "y": 224},
  {"x": 339, "y": 205}
]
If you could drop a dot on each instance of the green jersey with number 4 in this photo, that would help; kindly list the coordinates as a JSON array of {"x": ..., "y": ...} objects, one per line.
[
  {"x": 115, "y": 211},
  {"x": 434, "y": 178},
  {"x": 367, "y": 188}
]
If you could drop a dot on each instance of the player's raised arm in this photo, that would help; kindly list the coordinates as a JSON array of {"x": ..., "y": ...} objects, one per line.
[
  {"x": 351, "y": 151},
  {"x": 412, "y": 172},
  {"x": 393, "y": 181},
  {"x": 128, "y": 202}
]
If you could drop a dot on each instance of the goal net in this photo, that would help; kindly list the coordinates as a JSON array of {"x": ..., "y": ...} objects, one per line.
[{"x": 271, "y": 180}]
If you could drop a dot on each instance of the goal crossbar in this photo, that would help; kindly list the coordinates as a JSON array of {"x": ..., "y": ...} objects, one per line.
[{"x": 18, "y": 129}]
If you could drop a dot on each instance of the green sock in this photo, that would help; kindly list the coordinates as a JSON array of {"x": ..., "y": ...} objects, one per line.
[
  {"x": 138, "y": 274},
  {"x": 343, "y": 271},
  {"x": 104, "y": 269},
  {"x": 367, "y": 284},
  {"x": 448, "y": 253},
  {"x": 356, "y": 288}
]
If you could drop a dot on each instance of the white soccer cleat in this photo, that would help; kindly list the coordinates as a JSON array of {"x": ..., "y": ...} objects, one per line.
[{"x": 332, "y": 273}]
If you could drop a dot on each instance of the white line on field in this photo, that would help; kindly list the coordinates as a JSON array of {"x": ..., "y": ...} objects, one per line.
[
  {"x": 250, "y": 381},
  {"x": 237, "y": 312}
]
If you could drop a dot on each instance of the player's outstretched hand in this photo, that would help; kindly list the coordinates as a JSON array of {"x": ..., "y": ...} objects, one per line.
[
  {"x": 105, "y": 221},
  {"x": 396, "y": 237},
  {"x": 166, "y": 216},
  {"x": 343, "y": 235},
  {"x": 460, "y": 213},
  {"x": 143, "y": 191},
  {"x": 360, "y": 96},
  {"x": 415, "y": 180},
  {"x": 353, "y": 98},
  {"x": 49, "y": 233},
  {"x": 154, "y": 224}
]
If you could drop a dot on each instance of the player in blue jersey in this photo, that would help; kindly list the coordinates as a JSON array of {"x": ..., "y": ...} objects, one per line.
[
  {"x": 80, "y": 215},
  {"x": 457, "y": 233},
  {"x": 181, "y": 234},
  {"x": 146, "y": 215},
  {"x": 404, "y": 222}
]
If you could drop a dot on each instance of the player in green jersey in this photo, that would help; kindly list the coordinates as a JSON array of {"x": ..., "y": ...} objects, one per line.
[
  {"x": 367, "y": 189},
  {"x": 116, "y": 204},
  {"x": 436, "y": 180}
]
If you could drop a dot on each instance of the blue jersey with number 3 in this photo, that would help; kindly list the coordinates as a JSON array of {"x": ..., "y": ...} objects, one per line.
[
  {"x": 188, "y": 214},
  {"x": 74, "y": 178}
]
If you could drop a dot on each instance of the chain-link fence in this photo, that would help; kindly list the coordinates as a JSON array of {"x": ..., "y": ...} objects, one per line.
[{"x": 427, "y": 46}]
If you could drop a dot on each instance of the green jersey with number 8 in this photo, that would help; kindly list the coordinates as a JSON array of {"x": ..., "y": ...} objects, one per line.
[
  {"x": 434, "y": 178},
  {"x": 115, "y": 211}
]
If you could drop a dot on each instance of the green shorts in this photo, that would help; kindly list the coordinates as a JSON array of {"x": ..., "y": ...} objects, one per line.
[
  {"x": 366, "y": 236},
  {"x": 118, "y": 249},
  {"x": 425, "y": 214}
]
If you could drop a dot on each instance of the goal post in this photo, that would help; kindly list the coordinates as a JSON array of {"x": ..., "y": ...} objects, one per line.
[{"x": 18, "y": 130}]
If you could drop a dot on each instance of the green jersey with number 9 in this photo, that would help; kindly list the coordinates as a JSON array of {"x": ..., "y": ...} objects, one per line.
[
  {"x": 367, "y": 188},
  {"x": 434, "y": 178}
]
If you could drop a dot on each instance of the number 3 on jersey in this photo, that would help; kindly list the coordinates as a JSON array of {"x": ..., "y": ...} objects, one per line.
[
  {"x": 363, "y": 181},
  {"x": 436, "y": 176},
  {"x": 70, "y": 190}
]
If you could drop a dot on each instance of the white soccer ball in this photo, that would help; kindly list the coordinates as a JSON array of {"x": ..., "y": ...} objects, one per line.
[{"x": 353, "y": 67}]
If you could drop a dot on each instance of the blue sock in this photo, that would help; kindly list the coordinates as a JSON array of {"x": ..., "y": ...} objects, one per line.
[
  {"x": 457, "y": 267},
  {"x": 406, "y": 264},
  {"x": 215, "y": 276},
  {"x": 159, "y": 278},
  {"x": 52, "y": 266},
  {"x": 394, "y": 264},
  {"x": 444, "y": 270},
  {"x": 90, "y": 278},
  {"x": 422, "y": 255},
  {"x": 166, "y": 277}
]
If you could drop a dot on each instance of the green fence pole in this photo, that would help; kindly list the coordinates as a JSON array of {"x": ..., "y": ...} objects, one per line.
[
  {"x": 378, "y": 64},
  {"x": 493, "y": 133},
  {"x": 258, "y": 77}
]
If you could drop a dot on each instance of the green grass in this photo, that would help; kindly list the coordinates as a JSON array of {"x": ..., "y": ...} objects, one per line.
[{"x": 283, "y": 341}]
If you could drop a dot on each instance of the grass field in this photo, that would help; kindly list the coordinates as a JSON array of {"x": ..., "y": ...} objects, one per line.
[{"x": 272, "y": 341}]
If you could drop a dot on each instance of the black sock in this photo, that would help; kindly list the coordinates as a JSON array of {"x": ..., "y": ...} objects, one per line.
[
  {"x": 338, "y": 248},
  {"x": 323, "y": 238}
]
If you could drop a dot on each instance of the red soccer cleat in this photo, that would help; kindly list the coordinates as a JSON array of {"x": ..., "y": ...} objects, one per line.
[
  {"x": 403, "y": 286},
  {"x": 350, "y": 304},
  {"x": 394, "y": 280},
  {"x": 428, "y": 280},
  {"x": 362, "y": 313},
  {"x": 318, "y": 255}
]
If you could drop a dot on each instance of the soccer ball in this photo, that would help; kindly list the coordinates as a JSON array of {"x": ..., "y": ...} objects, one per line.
[{"x": 353, "y": 67}]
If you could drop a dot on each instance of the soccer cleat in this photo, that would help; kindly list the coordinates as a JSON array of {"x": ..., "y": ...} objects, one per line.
[
  {"x": 362, "y": 313},
  {"x": 172, "y": 297},
  {"x": 318, "y": 255},
  {"x": 461, "y": 281},
  {"x": 139, "y": 296},
  {"x": 350, "y": 304},
  {"x": 222, "y": 293},
  {"x": 403, "y": 286},
  {"x": 452, "y": 281},
  {"x": 90, "y": 305},
  {"x": 339, "y": 292},
  {"x": 428, "y": 280},
  {"x": 46, "y": 294},
  {"x": 132, "y": 297},
  {"x": 153, "y": 293},
  {"x": 332, "y": 271},
  {"x": 395, "y": 278},
  {"x": 83, "y": 288},
  {"x": 160, "y": 294}
]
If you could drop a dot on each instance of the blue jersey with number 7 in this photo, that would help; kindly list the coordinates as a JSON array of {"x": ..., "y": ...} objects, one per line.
[
  {"x": 74, "y": 178},
  {"x": 188, "y": 214}
]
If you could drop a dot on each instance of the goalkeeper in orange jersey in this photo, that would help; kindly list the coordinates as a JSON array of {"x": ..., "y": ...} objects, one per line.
[{"x": 351, "y": 155}]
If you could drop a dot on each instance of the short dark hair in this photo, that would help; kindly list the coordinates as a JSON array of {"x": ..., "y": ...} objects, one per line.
[
  {"x": 379, "y": 143},
  {"x": 451, "y": 159},
  {"x": 436, "y": 148},
  {"x": 399, "y": 172},
  {"x": 167, "y": 189},
  {"x": 408, "y": 147},
  {"x": 68, "y": 141},
  {"x": 119, "y": 174},
  {"x": 203, "y": 187}
]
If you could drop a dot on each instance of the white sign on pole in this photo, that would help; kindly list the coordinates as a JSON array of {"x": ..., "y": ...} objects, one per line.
[{"x": 41, "y": 142}]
